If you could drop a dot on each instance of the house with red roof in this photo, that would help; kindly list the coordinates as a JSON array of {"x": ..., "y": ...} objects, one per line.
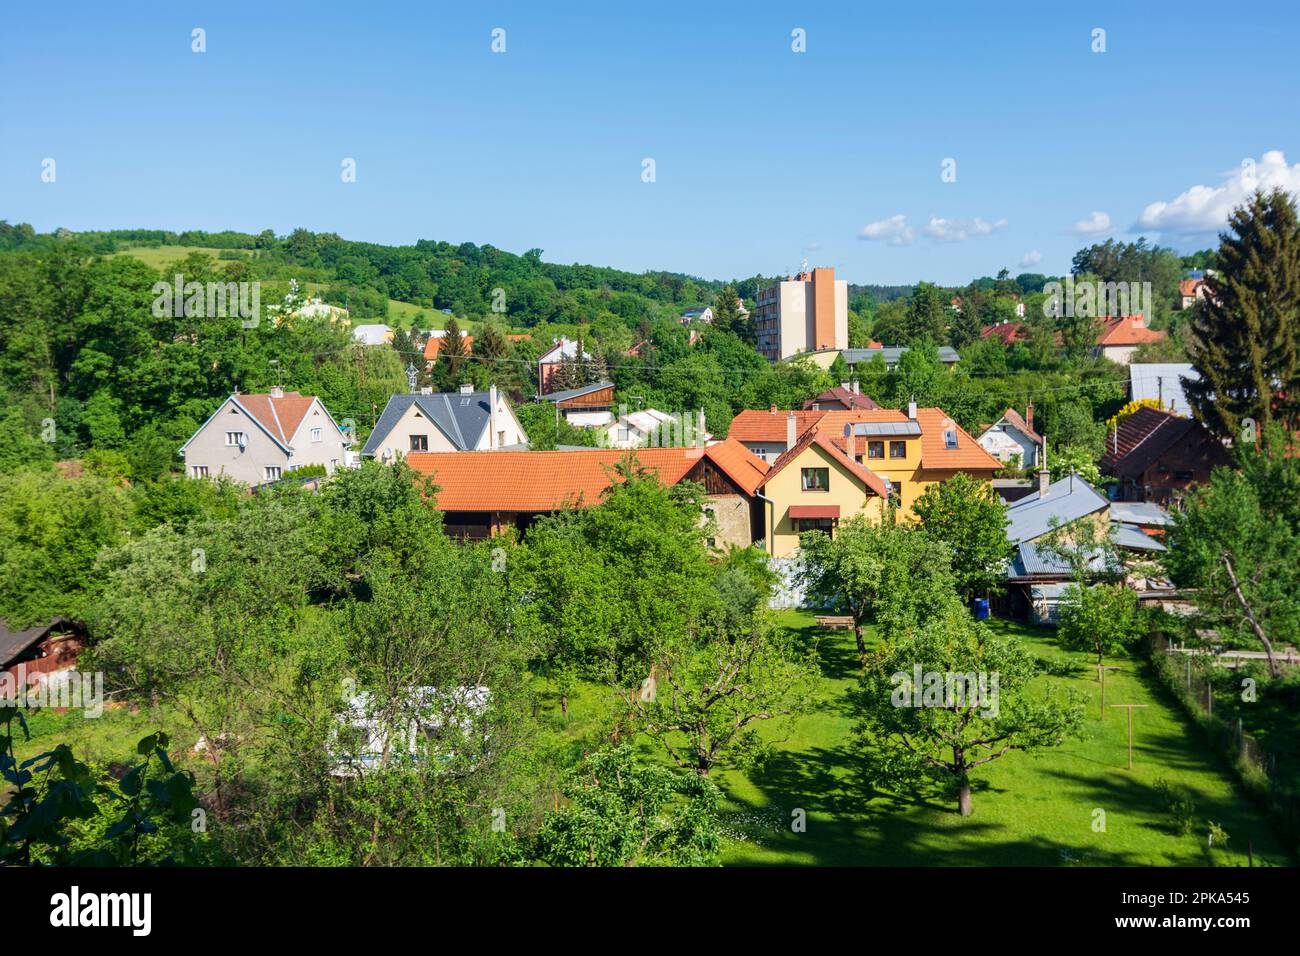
[
  {"x": 1157, "y": 456},
  {"x": 263, "y": 437},
  {"x": 483, "y": 493},
  {"x": 1118, "y": 337},
  {"x": 844, "y": 397},
  {"x": 1013, "y": 436}
]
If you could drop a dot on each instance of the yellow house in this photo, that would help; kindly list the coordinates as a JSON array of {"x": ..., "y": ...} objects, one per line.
[
  {"x": 898, "y": 456},
  {"x": 813, "y": 486}
]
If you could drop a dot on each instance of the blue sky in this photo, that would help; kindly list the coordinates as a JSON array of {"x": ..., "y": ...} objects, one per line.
[{"x": 763, "y": 156}]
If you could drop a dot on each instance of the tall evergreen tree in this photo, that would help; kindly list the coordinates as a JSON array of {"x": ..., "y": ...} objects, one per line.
[
  {"x": 452, "y": 352},
  {"x": 925, "y": 318},
  {"x": 1245, "y": 336},
  {"x": 726, "y": 313}
]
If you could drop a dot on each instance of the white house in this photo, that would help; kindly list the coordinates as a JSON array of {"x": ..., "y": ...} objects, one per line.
[
  {"x": 429, "y": 725},
  {"x": 1012, "y": 435},
  {"x": 264, "y": 437},
  {"x": 378, "y": 334},
  {"x": 653, "y": 427}
]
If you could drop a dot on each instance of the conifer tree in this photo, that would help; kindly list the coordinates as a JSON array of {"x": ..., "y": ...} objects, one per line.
[{"x": 1245, "y": 335}]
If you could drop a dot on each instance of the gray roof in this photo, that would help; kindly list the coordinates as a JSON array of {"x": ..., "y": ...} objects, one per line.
[
  {"x": 1162, "y": 381},
  {"x": 569, "y": 393},
  {"x": 1068, "y": 499},
  {"x": 1134, "y": 538},
  {"x": 893, "y": 353},
  {"x": 461, "y": 417},
  {"x": 13, "y": 643},
  {"x": 1139, "y": 512}
]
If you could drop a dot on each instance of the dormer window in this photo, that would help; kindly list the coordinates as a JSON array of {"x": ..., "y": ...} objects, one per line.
[{"x": 950, "y": 438}]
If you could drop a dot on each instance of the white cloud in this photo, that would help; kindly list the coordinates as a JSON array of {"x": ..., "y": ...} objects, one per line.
[
  {"x": 1031, "y": 258},
  {"x": 1206, "y": 208},
  {"x": 1094, "y": 225},
  {"x": 959, "y": 230},
  {"x": 893, "y": 230}
]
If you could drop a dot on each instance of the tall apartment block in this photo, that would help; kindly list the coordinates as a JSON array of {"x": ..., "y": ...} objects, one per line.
[{"x": 804, "y": 313}]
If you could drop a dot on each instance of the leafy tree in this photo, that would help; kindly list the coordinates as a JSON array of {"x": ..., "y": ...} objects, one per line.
[
  {"x": 1102, "y": 619},
  {"x": 623, "y": 814},
  {"x": 888, "y": 573},
  {"x": 1240, "y": 554},
  {"x": 1245, "y": 335},
  {"x": 975, "y": 704},
  {"x": 965, "y": 515}
]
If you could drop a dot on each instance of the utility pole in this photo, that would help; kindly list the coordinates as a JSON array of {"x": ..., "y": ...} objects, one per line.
[{"x": 1130, "y": 729}]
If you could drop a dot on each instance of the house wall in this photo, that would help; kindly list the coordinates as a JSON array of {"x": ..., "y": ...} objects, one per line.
[
  {"x": 1002, "y": 442},
  {"x": 415, "y": 422},
  {"x": 844, "y": 489},
  {"x": 248, "y": 465},
  {"x": 769, "y": 451},
  {"x": 731, "y": 513},
  {"x": 1120, "y": 354},
  {"x": 328, "y": 451}
]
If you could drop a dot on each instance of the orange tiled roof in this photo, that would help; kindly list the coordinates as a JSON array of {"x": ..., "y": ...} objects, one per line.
[
  {"x": 1126, "y": 330},
  {"x": 279, "y": 416},
  {"x": 554, "y": 480},
  {"x": 1006, "y": 332},
  {"x": 1189, "y": 286},
  {"x": 760, "y": 425},
  {"x": 967, "y": 456},
  {"x": 815, "y": 436},
  {"x": 435, "y": 342}
]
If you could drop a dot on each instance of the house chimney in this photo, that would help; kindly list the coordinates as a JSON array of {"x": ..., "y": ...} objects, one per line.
[
  {"x": 845, "y": 386},
  {"x": 856, "y": 390},
  {"x": 1029, "y": 415},
  {"x": 850, "y": 444},
  {"x": 492, "y": 416},
  {"x": 700, "y": 432},
  {"x": 277, "y": 391},
  {"x": 467, "y": 388},
  {"x": 1044, "y": 475},
  {"x": 911, "y": 409},
  {"x": 772, "y": 409},
  {"x": 790, "y": 437}
]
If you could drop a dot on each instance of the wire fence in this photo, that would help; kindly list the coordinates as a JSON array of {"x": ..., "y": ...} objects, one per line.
[{"x": 1268, "y": 774}]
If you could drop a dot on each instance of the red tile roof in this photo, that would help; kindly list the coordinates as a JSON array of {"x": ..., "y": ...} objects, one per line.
[
  {"x": 432, "y": 346},
  {"x": 1189, "y": 286},
  {"x": 935, "y": 453},
  {"x": 1013, "y": 417},
  {"x": 1126, "y": 330},
  {"x": 760, "y": 425},
  {"x": 1139, "y": 440},
  {"x": 1006, "y": 332},
  {"x": 535, "y": 481},
  {"x": 280, "y": 416}
]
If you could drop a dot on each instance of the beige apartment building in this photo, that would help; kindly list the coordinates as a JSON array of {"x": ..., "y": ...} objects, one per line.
[{"x": 804, "y": 313}]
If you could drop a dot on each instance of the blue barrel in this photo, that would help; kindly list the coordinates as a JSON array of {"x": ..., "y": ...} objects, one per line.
[{"x": 981, "y": 609}]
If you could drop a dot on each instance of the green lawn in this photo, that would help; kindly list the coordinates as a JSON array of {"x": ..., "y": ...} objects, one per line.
[{"x": 1029, "y": 808}]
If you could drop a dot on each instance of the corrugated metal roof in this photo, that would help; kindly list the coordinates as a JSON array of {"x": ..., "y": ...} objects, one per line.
[
  {"x": 1068, "y": 499},
  {"x": 1139, "y": 512},
  {"x": 1133, "y": 537}
]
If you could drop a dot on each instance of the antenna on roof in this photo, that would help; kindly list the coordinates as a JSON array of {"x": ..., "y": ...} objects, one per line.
[{"x": 410, "y": 375}]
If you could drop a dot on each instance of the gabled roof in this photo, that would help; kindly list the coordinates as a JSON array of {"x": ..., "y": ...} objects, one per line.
[
  {"x": 434, "y": 344},
  {"x": 1126, "y": 330},
  {"x": 1189, "y": 286},
  {"x": 817, "y": 438},
  {"x": 1006, "y": 332},
  {"x": 539, "y": 481},
  {"x": 1068, "y": 499},
  {"x": 1016, "y": 421},
  {"x": 462, "y": 417},
  {"x": 845, "y": 396},
  {"x": 14, "y": 643},
  {"x": 563, "y": 349},
  {"x": 766, "y": 425},
  {"x": 1140, "y": 439},
  {"x": 969, "y": 455},
  {"x": 278, "y": 416}
]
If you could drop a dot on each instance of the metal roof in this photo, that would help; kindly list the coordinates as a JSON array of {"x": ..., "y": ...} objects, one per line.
[
  {"x": 1162, "y": 381},
  {"x": 461, "y": 416},
  {"x": 1068, "y": 499},
  {"x": 893, "y": 353},
  {"x": 1139, "y": 512},
  {"x": 569, "y": 393},
  {"x": 1132, "y": 537},
  {"x": 873, "y": 429}
]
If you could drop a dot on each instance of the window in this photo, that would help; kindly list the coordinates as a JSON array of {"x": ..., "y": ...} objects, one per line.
[
  {"x": 315, "y": 434},
  {"x": 898, "y": 449},
  {"x": 950, "y": 438},
  {"x": 826, "y": 525},
  {"x": 273, "y": 472},
  {"x": 875, "y": 449},
  {"x": 761, "y": 452},
  {"x": 816, "y": 479},
  {"x": 235, "y": 438},
  {"x": 1184, "y": 475},
  {"x": 198, "y": 471},
  {"x": 419, "y": 443}
]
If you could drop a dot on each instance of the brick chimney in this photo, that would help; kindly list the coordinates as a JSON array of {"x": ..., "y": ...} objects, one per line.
[
  {"x": 1029, "y": 415},
  {"x": 1044, "y": 475}
]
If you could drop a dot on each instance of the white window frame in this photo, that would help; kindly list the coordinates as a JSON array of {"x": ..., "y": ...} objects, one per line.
[
  {"x": 315, "y": 434},
  {"x": 232, "y": 439},
  {"x": 272, "y": 472}
]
